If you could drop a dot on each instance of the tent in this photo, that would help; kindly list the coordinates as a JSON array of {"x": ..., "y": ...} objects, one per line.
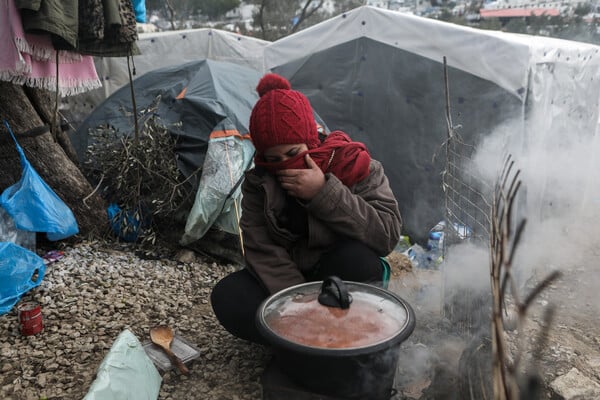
[
  {"x": 379, "y": 76},
  {"x": 163, "y": 49},
  {"x": 212, "y": 100},
  {"x": 204, "y": 95}
]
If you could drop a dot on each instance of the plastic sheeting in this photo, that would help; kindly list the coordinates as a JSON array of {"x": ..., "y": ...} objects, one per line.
[
  {"x": 126, "y": 372},
  {"x": 34, "y": 206},
  {"x": 378, "y": 75},
  {"x": 20, "y": 271},
  {"x": 219, "y": 193}
]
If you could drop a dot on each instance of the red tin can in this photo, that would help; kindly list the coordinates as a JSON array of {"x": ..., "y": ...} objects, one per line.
[{"x": 30, "y": 318}]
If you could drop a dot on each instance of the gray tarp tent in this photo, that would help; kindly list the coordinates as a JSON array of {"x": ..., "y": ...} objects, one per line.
[
  {"x": 163, "y": 49},
  {"x": 213, "y": 101},
  {"x": 204, "y": 95},
  {"x": 378, "y": 75}
]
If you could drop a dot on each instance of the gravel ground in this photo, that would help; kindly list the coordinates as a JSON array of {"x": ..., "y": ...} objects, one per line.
[{"x": 95, "y": 292}]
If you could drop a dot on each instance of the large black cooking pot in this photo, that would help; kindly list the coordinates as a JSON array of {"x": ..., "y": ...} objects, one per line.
[{"x": 337, "y": 338}]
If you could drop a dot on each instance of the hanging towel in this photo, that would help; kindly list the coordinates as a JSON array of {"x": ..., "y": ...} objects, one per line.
[
  {"x": 30, "y": 59},
  {"x": 39, "y": 47}
]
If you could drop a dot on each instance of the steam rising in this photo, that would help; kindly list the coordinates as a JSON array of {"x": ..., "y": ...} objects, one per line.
[
  {"x": 557, "y": 150},
  {"x": 560, "y": 194}
]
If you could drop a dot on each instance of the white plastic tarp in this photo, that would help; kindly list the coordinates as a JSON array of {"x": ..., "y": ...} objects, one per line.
[
  {"x": 378, "y": 75},
  {"x": 162, "y": 49},
  {"x": 467, "y": 49}
]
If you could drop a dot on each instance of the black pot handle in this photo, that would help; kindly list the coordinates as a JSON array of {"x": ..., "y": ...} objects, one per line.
[{"x": 334, "y": 293}]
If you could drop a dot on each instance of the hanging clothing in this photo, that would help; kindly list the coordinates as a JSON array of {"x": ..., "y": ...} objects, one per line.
[
  {"x": 107, "y": 28},
  {"x": 30, "y": 59},
  {"x": 91, "y": 20},
  {"x": 104, "y": 28},
  {"x": 60, "y": 18}
]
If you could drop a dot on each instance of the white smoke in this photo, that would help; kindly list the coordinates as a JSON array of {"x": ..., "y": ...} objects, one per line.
[{"x": 555, "y": 146}]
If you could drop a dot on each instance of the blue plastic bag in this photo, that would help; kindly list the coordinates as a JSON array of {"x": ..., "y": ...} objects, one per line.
[
  {"x": 128, "y": 225},
  {"x": 139, "y": 8},
  {"x": 20, "y": 271},
  {"x": 34, "y": 206}
]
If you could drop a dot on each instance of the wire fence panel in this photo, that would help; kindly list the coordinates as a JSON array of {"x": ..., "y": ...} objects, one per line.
[
  {"x": 467, "y": 216},
  {"x": 467, "y": 195}
]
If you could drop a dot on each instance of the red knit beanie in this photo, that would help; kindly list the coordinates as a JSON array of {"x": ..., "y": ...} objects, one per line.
[{"x": 281, "y": 116}]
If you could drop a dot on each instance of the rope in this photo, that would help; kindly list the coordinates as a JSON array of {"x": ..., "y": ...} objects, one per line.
[
  {"x": 56, "y": 99},
  {"x": 135, "y": 115}
]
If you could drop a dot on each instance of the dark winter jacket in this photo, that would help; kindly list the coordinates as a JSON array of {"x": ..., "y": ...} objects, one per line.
[
  {"x": 280, "y": 257},
  {"x": 59, "y": 18}
]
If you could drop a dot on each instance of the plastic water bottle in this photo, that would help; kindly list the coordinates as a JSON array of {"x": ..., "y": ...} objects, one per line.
[
  {"x": 10, "y": 233},
  {"x": 435, "y": 248},
  {"x": 417, "y": 256},
  {"x": 435, "y": 242},
  {"x": 463, "y": 232}
]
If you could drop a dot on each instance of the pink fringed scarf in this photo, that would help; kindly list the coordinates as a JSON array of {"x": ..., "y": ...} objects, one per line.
[{"x": 28, "y": 59}]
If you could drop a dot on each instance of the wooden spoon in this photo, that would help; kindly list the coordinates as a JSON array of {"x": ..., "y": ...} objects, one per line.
[{"x": 162, "y": 336}]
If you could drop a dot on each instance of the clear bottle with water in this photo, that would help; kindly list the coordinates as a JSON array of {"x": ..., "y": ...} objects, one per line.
[
  {"x": 436, "y": 241},
  {"x": 435, "y": 248},
  {"x": 403, "y": 244},
  {"x": 417, "y": 256}
]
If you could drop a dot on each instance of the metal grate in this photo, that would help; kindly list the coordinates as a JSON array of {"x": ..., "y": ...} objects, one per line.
[
  {"x": 467, "y": 204},
  {"x": 468, "y": 200}
]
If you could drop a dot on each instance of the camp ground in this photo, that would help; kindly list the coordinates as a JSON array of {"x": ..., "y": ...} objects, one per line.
[
  {"x": 379, "y": 75},
  {"x": 488, "y": 138}
]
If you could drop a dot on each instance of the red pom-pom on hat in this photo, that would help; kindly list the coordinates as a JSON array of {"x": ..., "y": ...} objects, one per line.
[{"x": 271, "y": 82}]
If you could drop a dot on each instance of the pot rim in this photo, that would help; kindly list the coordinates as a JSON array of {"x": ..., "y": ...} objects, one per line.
[{"x": 277, "y": 340}]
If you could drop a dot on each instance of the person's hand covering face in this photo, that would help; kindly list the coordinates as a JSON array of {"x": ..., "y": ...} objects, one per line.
[{"x": 302, "y": 183}]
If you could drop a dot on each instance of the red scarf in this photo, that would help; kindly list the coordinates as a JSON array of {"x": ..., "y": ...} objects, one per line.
[{"x": 347, "y": 160}]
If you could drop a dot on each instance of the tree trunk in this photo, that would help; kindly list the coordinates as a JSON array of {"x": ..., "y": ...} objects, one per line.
[
  {"x": 28, "y": 109},
  {"x": 44, "y": 102}
]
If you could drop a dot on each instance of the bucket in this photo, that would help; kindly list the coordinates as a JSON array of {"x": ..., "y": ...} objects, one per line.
[{"x": 30, "y": 318}]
